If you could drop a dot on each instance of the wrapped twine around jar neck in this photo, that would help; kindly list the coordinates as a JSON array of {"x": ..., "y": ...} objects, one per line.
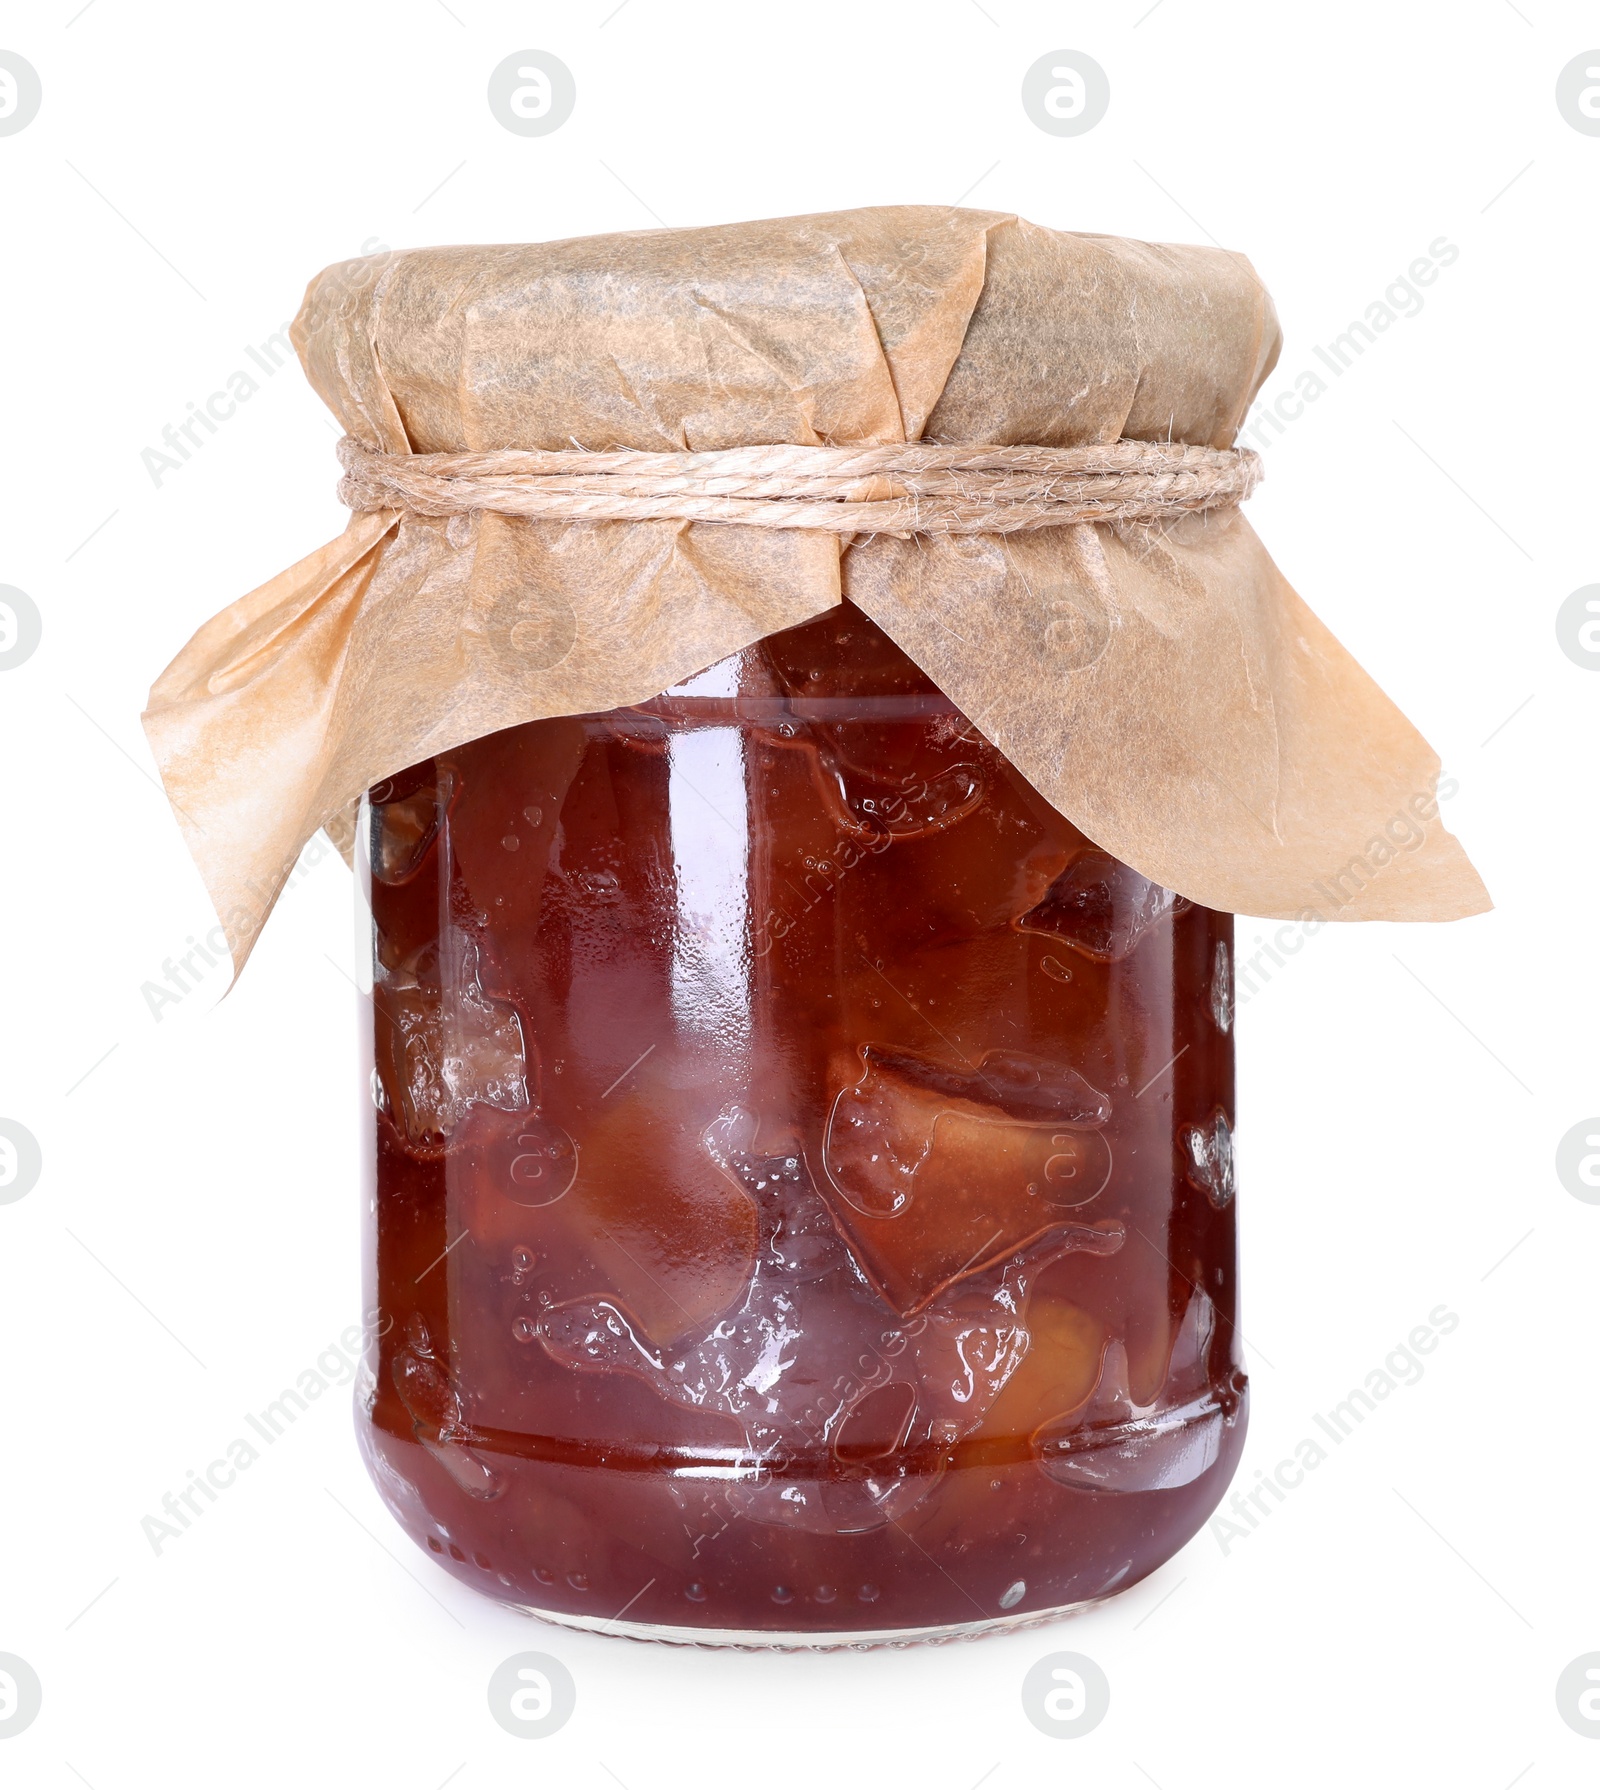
[{"x": 910, "y": 488}]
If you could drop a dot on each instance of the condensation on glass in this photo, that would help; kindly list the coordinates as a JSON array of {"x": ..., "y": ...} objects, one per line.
[{"x": 801, "y": 1172}]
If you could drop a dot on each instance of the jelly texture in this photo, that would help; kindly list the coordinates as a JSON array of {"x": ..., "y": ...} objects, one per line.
[{"x": 801, "y": 1166}]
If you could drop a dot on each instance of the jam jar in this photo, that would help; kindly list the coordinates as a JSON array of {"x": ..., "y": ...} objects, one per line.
[{"x": 800, "y": 1171}]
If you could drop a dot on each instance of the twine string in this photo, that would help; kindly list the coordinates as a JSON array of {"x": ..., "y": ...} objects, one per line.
[{"x": 899, "y": 488}]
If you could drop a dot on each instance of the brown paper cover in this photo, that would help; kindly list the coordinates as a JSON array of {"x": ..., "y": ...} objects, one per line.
[{"x": 1163, "y": 687}]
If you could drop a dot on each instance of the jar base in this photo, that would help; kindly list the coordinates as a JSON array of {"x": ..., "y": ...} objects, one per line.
[{"x": 800, "y": 1641}]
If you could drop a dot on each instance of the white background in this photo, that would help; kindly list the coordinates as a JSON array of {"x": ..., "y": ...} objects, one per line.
[{"x": 1402, "y": 1616}]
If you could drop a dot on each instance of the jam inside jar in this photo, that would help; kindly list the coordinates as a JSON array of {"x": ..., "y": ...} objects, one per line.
[{"x": 801, "y": 1193}]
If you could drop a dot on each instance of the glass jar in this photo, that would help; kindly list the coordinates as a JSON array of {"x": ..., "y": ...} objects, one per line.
[{"x": 801, "y": 1184}]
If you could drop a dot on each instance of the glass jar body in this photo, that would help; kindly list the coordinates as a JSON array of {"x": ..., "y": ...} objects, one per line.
[{"x": 801, "y": 1185}]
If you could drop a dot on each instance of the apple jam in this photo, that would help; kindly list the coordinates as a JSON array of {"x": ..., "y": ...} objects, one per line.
[{"x": 801, "y": 1173}]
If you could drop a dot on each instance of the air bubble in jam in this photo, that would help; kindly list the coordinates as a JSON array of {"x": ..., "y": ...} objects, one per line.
[
  {"x": 405, "y": 831},
  {"x": 1209, "y": 1148},
  {"x": 446, "y": 1048},
  {"x": 912, "y": 810},
  {"x": 1222, "y": 987},
  {"x": 1101, "y": 908}
]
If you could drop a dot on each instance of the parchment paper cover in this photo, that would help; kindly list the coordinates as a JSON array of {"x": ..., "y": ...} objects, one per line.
[{"x": 1163, "y": 687}]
